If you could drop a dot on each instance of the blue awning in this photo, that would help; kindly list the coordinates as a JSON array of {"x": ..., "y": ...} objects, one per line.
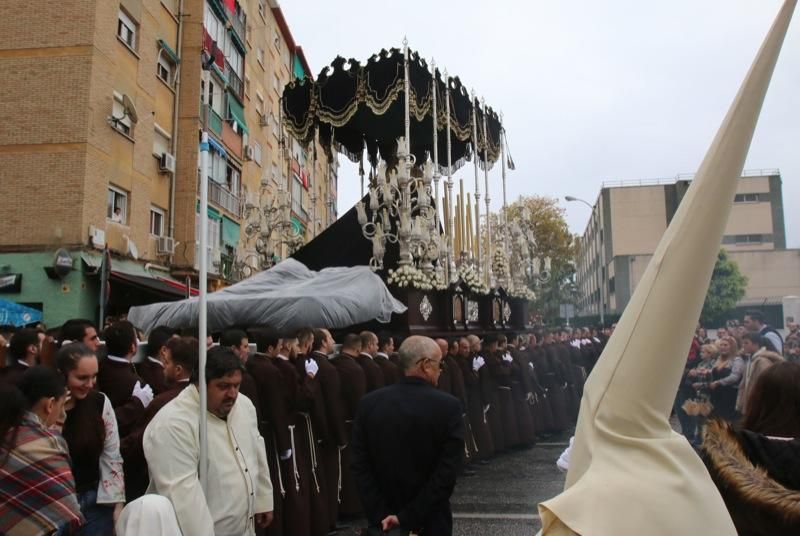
[
  {"x": 14, "y": 314},
  {"x": 217, "y": 146}
]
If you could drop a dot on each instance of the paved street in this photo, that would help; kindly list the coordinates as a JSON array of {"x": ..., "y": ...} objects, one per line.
[{"x": 501, "y": 499}]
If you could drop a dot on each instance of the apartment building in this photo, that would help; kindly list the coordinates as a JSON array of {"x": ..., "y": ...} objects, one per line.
[
  {"x": 104, "y": 153},
  {"x": 629, "y": 218}
]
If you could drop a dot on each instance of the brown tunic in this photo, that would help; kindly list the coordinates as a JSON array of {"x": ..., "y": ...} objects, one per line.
[
  {"x": 481, "y": 434},
  {"x": 372, "y": 372},
  {"x": 354, "y": 387},
  {"x": 391, "y": 372},
  {"x": 117, "y": 380},
  {"x": 273, "y": 427},
  {"x": 152, "y": 374},
  {"x": 335, "y": 433}
]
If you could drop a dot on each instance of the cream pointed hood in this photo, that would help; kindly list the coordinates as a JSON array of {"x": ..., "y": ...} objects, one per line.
[{"x": 630, "y": 474}]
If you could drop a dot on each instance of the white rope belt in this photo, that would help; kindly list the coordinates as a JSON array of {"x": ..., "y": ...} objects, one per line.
[
  {"x": 312, "y": 448},
  {"x": 294, "y": 459},
  {"x": 278, "y": 459},
  {"x": 339, "y": 491}
]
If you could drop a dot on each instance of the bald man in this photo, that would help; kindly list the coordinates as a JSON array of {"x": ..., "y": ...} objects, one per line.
[{"x": 408, "y": 443}]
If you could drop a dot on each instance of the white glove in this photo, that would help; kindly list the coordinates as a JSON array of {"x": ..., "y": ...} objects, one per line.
[
  {"x": 311, "y": 367},
  {"x": 286, "y": 455},
  {"x": 507, "y": 358},
  {"x": 477, "y": 363},
  {"x": 144, "y": 394}
]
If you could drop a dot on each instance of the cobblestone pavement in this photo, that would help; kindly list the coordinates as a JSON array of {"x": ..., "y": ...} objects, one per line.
[{"x": 501, "y": 498}]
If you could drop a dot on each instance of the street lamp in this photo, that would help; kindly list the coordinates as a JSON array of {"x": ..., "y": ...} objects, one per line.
[{"x": 602, "y": 284}]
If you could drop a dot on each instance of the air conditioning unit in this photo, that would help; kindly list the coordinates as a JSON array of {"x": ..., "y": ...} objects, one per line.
[
  {"x": 97, "y": 237},
  {"x": 249, "y": 152},
  {"x": 166, "y": 164},
  {"x": 165, "y": 245},
  {"x": 263, "y": 120}
]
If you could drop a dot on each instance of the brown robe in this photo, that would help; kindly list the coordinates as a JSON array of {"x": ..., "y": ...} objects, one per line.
[
  {"x": 116, "y": 380},
  {"x": 354, "y": 387},
  {"x": 137, "y": 476},
  {"x": 274, "y": 429},
  {"x": 391, "y": 372},
  {"x": 12, "y": 374},
  {"x": 334, "y": 434},
  {"x": 298, "y": 476},
  {"x": 152, "y": 374},
  {"x": 481, "y": 434},
  {"x": 372, "y": 372},
  {"x": 521, "y": 386}
]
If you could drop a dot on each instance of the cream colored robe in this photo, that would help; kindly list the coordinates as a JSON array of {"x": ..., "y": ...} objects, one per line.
[{"x": 239, "y": 484}]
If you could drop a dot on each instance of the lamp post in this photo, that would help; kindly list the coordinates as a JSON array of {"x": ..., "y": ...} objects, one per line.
[{"x": 601, "y": 280}]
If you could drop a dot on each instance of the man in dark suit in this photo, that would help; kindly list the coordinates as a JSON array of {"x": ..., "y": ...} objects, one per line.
[
  {"x": 391, "y": 372},
  {"x": 408, "y": 443},
  {"x": 151, "y": 370},
  {"x": 372, "y": 371}
]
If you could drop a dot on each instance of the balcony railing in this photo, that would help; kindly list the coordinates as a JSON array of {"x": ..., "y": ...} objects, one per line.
[
  {"x": 239, "y": 26},
  {"x": 219, "y": 57},
  {"x": 236, "y": 84},
  {"x": 220, "y": 196},
  {"x": 214, "y": 120}
]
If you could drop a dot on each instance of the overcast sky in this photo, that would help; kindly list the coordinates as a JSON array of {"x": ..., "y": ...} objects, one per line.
[{"x": 591, "y": 90}]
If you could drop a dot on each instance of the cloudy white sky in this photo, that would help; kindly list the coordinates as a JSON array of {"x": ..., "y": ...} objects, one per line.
[{"x": 591, "y": 90}]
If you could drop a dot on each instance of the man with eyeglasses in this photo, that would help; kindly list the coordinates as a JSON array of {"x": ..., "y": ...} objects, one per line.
[{"x": 408, "y": 445}]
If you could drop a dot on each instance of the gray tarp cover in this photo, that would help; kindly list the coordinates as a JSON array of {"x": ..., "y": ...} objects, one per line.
[{"x": 288, "y": 296}]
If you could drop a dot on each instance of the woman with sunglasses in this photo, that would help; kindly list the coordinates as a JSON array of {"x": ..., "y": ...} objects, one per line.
[{"x": 90, "y": 430}]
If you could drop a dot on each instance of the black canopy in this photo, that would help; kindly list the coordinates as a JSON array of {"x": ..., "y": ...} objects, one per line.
[{"x": 355, "y": 106}]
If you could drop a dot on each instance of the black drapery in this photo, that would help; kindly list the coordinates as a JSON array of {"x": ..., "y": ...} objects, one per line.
[{"x": 356, "y": 107}]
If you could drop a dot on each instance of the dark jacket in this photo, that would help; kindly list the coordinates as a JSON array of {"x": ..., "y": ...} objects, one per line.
[
  {"x": 408, "y": 443},
  {"x": 758, "y": 477}
]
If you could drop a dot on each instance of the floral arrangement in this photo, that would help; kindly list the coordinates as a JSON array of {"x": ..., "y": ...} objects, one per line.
[
  {"x": 500, "y": 265},
  {"x": 522, "y": 292},
  {"x": 438, "y": 281},
  {"x": 409, "y": 276},
  {"x": 470, "y": 278}
]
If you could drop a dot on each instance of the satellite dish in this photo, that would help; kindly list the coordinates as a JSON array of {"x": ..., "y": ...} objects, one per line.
[{"x": 130, "y": 109}]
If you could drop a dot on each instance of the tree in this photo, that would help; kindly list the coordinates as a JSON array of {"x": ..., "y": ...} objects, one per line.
[
  {"x": 726, "y": 289},
  {"x": 553, "y": 239}
]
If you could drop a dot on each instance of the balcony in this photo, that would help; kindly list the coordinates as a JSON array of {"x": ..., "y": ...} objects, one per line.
[
  {"x": 219, "y": 57},
  {"x": 223, "y": 198},
  {"x": 239, "y": 25},
  {"x": 219, "y": 195},
  {"x": 214, "y": 120},
  {"x": 235, "y": 83}
]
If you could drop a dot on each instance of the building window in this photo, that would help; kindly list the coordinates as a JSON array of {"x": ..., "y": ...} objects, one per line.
[
  {"x": 276, "y": 172},
  {"x": 260, "y": 56},
  {"x": 165, "y": 69},
  {"x": 121, "y": 120},
  {"x": 276, "y": 83},
  {"x": 746, "y": 198},
  {"x": 277, "y": 39},
  {"x": 233, "y": 178},
  {"x": 117, "y": 209},
  {"x": 247, "y": 85},
  {"x": 260, "y": 104},
  {"x": 126, "y": 30},
  {"x": 261, "y": 8},
  {"x": 161, "y": 141},
  {"x": 156, "y": 221},
  {"x": 257, "y": 151},
  {"x": 749, "y": 239}
]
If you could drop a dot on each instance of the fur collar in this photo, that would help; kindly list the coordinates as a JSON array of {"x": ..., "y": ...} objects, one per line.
[{"x": 751, "y": 484}]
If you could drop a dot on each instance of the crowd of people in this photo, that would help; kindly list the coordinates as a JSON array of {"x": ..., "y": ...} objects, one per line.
[
  {"x": 117, "y": 425},
  {"x": 720, "y": 373}
]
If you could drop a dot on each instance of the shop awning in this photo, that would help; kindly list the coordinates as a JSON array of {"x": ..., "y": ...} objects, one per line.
[
  {"x": 134, "y": 273},
  {"x": 236, "y": 113}
]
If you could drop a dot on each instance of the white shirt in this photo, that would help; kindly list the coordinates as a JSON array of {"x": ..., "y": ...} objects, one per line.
[
  {"x": 382, "y": 354},
  {"x": 239, "y": 485},
  {"x": 118, "y": 359},
  {"x": 156, "y": 361},
  {"x": 365, "y": 354}
]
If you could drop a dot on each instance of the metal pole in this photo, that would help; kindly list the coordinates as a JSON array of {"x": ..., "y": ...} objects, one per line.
[
  {"x": 488, "y": 252},
  {"x": 505, "y": 199},
  {"x": 477, "y": 186},
  {"x": 313, "y": 188},
  {"x": 436, "y": 174},
  {"x": 450, "y": 216},
  {"x": 202, "y": 321}
]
